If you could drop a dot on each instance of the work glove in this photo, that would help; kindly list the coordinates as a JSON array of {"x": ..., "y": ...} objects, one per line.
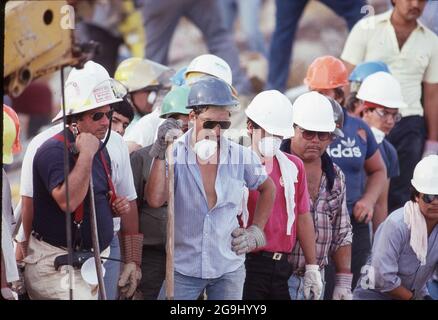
[
  {"x": 430, "y": 148},
  {"x": 168, "y": 131},
  {"x": 342, "y": 289},
  {"x": 312, "y": 282},
  {"x": 246, "y": 240},
  {"x": 130, "y": 277}
]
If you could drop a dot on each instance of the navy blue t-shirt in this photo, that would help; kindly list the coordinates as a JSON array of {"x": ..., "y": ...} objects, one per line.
[
  {"x": 389, "y": 155},
  {"x": 49, "y": 219},
  {"x": 350, "y": 153}
]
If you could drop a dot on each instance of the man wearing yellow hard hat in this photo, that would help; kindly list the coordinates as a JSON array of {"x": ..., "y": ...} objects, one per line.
[{"x": 11, "y": 145}]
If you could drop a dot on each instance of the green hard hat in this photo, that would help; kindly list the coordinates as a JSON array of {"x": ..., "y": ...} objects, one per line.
[{"x": 175, "y": 101}]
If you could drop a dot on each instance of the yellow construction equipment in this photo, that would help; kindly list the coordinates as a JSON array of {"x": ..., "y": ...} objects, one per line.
[{"x": 39, "y": 40}]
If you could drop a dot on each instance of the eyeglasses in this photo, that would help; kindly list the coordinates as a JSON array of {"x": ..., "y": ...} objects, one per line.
[
  {"x": 211, "y": 124},
  {"x": 428, "y": 198},
  {"x": 310, "y": 135},
  {"x": 386, "y": 115},
  {"x": 99, "y": 115}
]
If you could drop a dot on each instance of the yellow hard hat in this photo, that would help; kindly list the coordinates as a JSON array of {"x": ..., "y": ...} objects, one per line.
[
  {"x": 11, "y": 134},
  {"x": 137, "y": 73}
]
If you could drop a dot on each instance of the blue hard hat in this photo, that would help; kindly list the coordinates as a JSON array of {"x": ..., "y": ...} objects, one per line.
[
  {"x": 211, "y": 91},
  {"x": 178, "y": 78},
  {"x": 364, "y": 69}
]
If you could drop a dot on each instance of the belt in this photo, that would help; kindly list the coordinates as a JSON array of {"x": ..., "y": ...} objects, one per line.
[
  {"x": 39, "y": 237},
  {"x": 279, "y": 256}
]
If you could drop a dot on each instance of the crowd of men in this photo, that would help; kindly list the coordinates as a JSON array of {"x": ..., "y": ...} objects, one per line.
[{"x": 333, "y": 196}]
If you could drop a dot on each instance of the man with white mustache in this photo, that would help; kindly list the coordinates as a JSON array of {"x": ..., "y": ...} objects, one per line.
[{"x": 267, "y": 268}]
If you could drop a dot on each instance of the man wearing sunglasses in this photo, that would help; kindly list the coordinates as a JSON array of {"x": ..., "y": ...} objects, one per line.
[
  {"x": 89, "y": 94},
  {"x": 153, "y": 221},
  {"x": 381, "y": 98},
  {"x": 405, "y": 250},
  {"x": 268, "y": 268},
  {"x": 314, "y": 126},
  {"x": 210, "y": 175}
]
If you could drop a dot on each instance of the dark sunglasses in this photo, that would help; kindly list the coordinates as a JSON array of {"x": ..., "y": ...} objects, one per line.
[
  {"x": 310, "y": 135},
  {"x": 210, "y": 124},
  {"x": 428, "y": 198},
  {"x": 99, "y": 115}
]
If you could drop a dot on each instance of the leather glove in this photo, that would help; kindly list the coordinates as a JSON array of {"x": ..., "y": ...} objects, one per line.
[
  {"x": 430, "y": 148},
  {"x": 130, "y": 277},
  {"x": 342, "y": 289},
  {"x": 312, "y": 282},
  {"x": 168, "y": 131},
  {"x": 246, "y": 240}
]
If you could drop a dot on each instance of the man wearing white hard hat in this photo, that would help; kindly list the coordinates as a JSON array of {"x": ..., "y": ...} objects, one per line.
[
  {"x": 315, "y": 128},
  {"x": 121, "y": 175},
  {"x": 88, "y": 95},
  {"x": 381, "y": 98},
  {"x": 267, "y": 268},
  {"x": 405, "y": 250}
]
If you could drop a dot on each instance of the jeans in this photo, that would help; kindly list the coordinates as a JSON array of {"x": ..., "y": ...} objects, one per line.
[
  {"x": 162, "y": 17},
  {"x": 432, "y": 286},
  {"x": 360, "y": 250},
  {"x": 288, "y": 14},
  {"x": 153, "y": 269},
  {"x": 408, "y": 138},
  {"x": 112, "y": 272},
  {"x": 249, "y": 15},
  {"x": 296, "y": 286},
  {"x": 266, "y": 279},
  {"x": 227, "y": 287}
]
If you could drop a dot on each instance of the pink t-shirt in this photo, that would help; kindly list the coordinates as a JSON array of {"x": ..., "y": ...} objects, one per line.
[{"x": 275, "y": 228}]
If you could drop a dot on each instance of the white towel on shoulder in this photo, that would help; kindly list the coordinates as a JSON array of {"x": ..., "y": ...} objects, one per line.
[
  {"x": 289, "y": 174},
  {"x": 417, "y": 224}
]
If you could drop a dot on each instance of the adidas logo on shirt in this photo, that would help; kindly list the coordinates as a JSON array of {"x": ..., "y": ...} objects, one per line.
[{"x": 345, "y": 149}]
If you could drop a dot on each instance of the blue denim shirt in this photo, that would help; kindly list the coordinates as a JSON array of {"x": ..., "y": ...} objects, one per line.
[
  {"x": 202, "y": 236},
  {"x": 394, "y": 263}
]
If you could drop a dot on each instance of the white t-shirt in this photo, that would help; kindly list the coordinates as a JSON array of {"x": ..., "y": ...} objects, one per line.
[
  {"x": 8, "y": 225},
  {"x": 144, "y": 131},
  {"x": 120, "y": 167}
]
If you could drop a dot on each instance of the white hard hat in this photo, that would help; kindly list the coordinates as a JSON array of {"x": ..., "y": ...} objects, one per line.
[
  {"x": 89, "y": 88},
  {"x": 425, "y": 178},
  {"x": 212, "y": 65},
  {"x": 272, "y": 111},
  {"x": 314, "y": 112},
  {"x": 382, "y": 88}
]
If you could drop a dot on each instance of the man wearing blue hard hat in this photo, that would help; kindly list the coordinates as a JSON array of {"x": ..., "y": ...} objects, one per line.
[{"x": 209, "y": 176}]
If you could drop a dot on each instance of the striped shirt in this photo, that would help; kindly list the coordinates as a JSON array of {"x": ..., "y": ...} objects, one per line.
[
  {"x": 331, "y": 220},
  {"x": 202, "y": 236}
]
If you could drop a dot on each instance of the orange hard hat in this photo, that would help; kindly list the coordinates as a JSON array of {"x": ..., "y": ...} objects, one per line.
[
  {"x": 11, "y": 134},
  {"x": 326, "y": 72}
]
